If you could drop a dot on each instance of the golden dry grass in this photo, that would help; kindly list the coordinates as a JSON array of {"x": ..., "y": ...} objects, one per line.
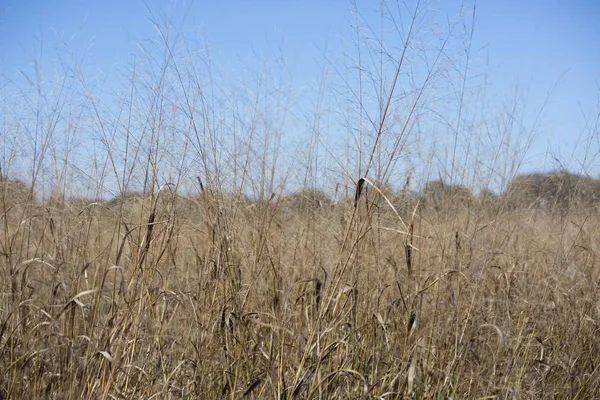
[{"x": 221, "y": 297}]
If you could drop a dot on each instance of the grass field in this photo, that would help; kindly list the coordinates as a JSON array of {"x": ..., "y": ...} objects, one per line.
[
  {"x": 218, "y": 296},
  {"x": 191, "y": 237}
]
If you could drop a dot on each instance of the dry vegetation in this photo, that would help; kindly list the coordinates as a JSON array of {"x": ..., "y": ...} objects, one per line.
[
  {"x": 173, "y": 297},
  {"x": 272, "y": 267}
]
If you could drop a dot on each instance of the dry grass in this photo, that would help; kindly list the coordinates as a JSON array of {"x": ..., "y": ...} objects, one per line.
[
  {"x": 222, "y": 298},
  {"x": 264, "y": 294}
]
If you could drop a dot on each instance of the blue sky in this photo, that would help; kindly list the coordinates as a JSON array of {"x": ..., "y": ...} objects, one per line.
[{"x": 537, "y": 48}]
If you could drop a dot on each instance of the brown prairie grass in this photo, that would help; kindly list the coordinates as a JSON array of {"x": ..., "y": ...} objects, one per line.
[
  {"x": 294, "y": 296},
  {"x": 222, "y": 297}
]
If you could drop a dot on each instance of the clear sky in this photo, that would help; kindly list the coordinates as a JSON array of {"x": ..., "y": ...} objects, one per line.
[{"x": 536, "y": 48}]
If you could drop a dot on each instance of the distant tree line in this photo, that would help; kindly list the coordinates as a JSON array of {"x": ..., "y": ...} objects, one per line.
[{"x": 559, "y": 190}]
